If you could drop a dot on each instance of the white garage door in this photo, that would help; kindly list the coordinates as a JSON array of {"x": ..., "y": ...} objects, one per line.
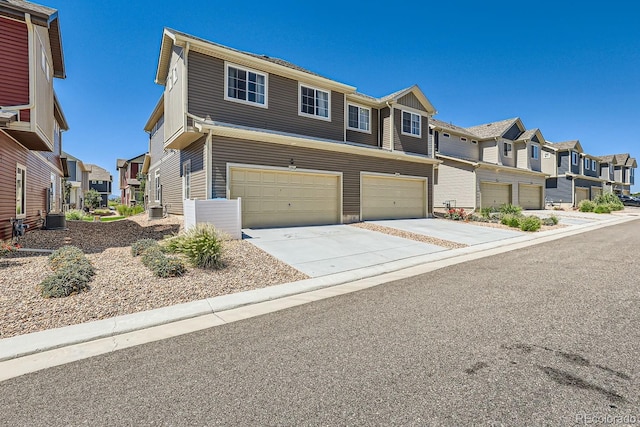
[
  {"x": 530, "y": 196},
  {"x": 595, "y": 192},
  {"x": 581, "y": 194},
  {"x": 494, "y": 195},
  {"x": 284, "y": 198},
  {"x": 391, "y": 197}
]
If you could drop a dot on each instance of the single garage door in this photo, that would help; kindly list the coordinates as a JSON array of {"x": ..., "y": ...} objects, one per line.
[
  {"x": 530, "y": 196},
  {"x": 581, "y": 194},
  {"x": 595, "y": 192},
  {"x": 285, "y": 198},
  {"x": 391, "y": 197},
  {"x": 494, "y": 195}
]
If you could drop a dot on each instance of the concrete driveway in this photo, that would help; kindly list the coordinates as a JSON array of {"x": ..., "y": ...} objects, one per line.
[
  {"x": 455, "y": 231},
  {"x": 322, "y": 250}
]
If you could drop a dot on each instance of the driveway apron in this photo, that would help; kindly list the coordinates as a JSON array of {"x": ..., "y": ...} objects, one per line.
[{"x": 322, "y": 250}]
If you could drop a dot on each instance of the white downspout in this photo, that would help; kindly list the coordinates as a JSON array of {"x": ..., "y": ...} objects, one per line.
[
  {"x": 185, "y": 86},
  {"x": 208, "y": 161}
]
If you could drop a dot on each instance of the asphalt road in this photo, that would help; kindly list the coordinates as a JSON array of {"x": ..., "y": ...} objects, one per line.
[{"x": 549, "y": 335}]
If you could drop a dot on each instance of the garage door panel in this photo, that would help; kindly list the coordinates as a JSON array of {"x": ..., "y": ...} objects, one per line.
[
  {"x": 495, "y": 194},
  {"x": 530, "y": 196},
  {"x": 595, "y": 192},
  {"x": 286, "y": 198},
  {"x": 582, "y": 193},
  {"x": 393, "y": 198}
]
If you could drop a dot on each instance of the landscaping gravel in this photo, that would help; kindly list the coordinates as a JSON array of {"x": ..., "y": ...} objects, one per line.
[
  {"x": 122, "y": 285},
  {"x": 408, "y": 235}
]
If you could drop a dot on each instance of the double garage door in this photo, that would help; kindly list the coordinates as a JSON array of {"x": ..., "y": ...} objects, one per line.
[
  {"x": 494, "y": 195},
  {"x": 273, "y": 198},
  {"x": 279, "y": 198},
  {"x": 391, "y": 197}
]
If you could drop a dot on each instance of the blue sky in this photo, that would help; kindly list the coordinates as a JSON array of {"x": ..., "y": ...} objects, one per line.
[{"x": 572, "y": 72}]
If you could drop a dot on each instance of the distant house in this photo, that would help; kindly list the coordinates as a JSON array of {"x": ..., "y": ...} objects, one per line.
[
  {"x": 77, "y": 180},
  {"x": 100, "y": 180},
  {"x": 31, "y": 119},
  {"x": 489, "y": 165},
  {"x": 130, "y": 176}
]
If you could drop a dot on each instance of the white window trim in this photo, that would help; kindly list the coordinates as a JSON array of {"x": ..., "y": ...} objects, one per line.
[
  {"x": 535, "y": 154},
  {"x": 250, "y": 70},
  {"x": 419, "y": 135},
  {"x": 360, "y": 107},
  {"x": 184, "y": 180},
  {"x": 446, "y": 135},
  {"x": 594, "y": 165},
  {"x": 473, "y": 141},
  {"x": 586, "y": 164},
  {"x": 509, "y": 152},
  {"x": 463, "y": 139},
  {"x": 24, "y": 192},
  {"x": 574, "y": 158},
  {"x": 313, "y": 116}
]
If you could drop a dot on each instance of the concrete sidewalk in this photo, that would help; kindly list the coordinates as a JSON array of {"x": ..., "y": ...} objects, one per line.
[{"x": 31, "y": 352}]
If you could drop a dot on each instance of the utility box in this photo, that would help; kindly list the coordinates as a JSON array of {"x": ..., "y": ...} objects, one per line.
[
  {"x": 55, "y": 221},
  {"x": 156, "y": 212},
  {"x": 224, "y": 214}
]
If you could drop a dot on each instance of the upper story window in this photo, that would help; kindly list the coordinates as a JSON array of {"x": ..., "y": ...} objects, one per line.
[
  {"x": 314, "y": 102},
  {"x": 463, "y": 139},
  {"x": 245, "y": 85},
  {"x": 507, "y": 149},
  {"x": 587, "y": 164},
  {"x": 44, "y": 62},
  {"x": 411, "y": 124},
  {"x": 594, "y": 165},
  {"x": 359, "y": 118},
  {"x": 574, "y": 158},
  {"x": 157, "y": 126},
  {"x": 535, "y": 152}
]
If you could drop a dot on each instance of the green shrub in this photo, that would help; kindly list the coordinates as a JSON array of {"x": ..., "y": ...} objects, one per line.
[
  {"x": 162, "y": 265},
  {"x": 125, "y": 210},
  {"x": 511, "y": 209},
  {"x": 511, "y": 220},
  {"x": 72, "y": 273},
  {"x": 92, "y": 199},
  {"x": 600, "y": 209},
  {"x": 202, "y": 245},
  {"x": 586, "y": 206},
  {"x": 138, "y": 247},
  {"x": 76, "y": 215},
  {"x": 530, "y": 223},
  {"x": 486, "y": 212},
  {"x": 550, "y": 221},
  {"x": 610, "y": 200}
]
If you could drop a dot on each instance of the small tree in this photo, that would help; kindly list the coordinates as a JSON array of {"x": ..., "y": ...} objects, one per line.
[{"x": 92, "y": 199}]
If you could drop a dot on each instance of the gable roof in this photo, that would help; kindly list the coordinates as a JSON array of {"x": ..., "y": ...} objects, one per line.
[
  {"x": 45, "y": 17},
  {"x": 610, "y": 158},
  {"x": 621, "y": 159},
  {"x": 279, "y": 66},
  {"x": 567, "y": 145},
  {"x": 97, "y": 173},
  {"x": 450, "y": 127},
  {"x": 494, "y": 129},
  {"x": 529, "y": 134}
]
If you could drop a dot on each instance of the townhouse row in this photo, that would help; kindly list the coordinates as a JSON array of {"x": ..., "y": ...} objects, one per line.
[{"x": 301, "y": 149}]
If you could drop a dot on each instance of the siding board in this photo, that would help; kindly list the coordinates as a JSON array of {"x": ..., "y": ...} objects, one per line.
[
  {"x": 206, "y": 97},
  {"x": 14, "y": 63}
]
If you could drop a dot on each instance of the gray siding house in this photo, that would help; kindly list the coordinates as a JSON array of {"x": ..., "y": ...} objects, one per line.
[
  {"x": 577, "y": 175},
  {"x": 488, "y": 165},
  {"x": 618, "y": 171},
  {"x": 296, "y": 147}
]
